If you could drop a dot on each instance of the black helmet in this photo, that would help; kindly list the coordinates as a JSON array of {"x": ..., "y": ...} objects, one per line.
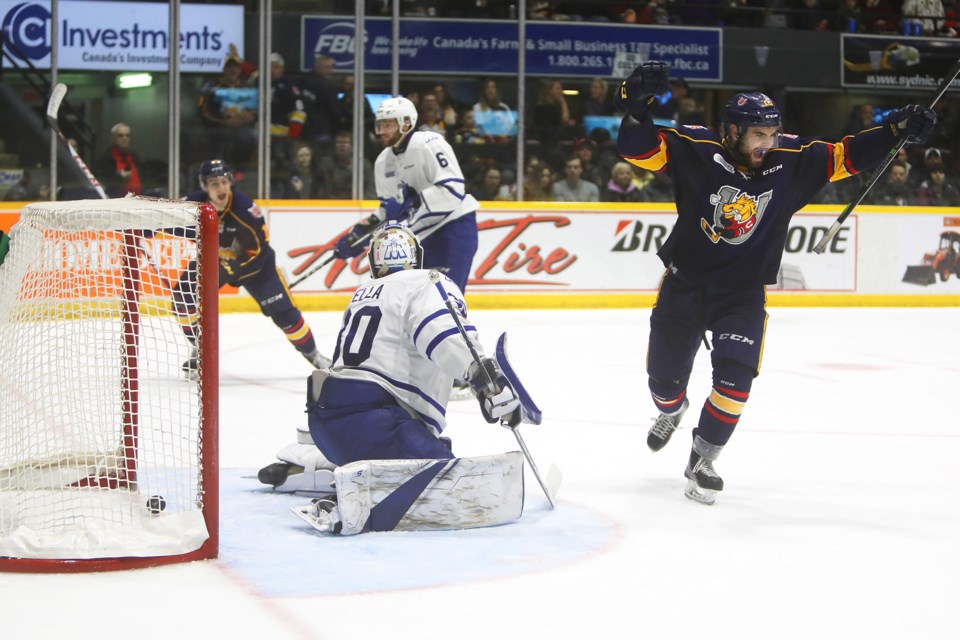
[
  {"x": 214, "y": 169},
  {"x": 749, "y": 110}
]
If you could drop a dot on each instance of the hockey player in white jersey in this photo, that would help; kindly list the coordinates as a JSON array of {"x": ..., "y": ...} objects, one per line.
[
  {"x": 419, "y": 182},
  {"x": 377, "y": 414}
]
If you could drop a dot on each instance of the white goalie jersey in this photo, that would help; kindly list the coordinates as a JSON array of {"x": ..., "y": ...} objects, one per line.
[
  {"x": 398, "y": 333},
  {"x": 426, "y": 162}
]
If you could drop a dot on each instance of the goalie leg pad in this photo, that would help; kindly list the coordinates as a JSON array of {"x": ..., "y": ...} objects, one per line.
[{"x": 435, "y": 494}]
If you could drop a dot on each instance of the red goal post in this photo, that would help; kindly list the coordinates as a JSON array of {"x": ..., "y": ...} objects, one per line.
[{"x": 108, "y": 456}]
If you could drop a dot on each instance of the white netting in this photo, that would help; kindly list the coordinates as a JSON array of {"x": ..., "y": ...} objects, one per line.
[{"x": 95, "y": 416}]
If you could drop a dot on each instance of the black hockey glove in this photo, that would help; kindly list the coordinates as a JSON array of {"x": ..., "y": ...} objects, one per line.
[
  {"x": 498, "y": 402},
  {"x": 914, "y": 121},
  {"x": 350, "y": 245},
  {"x": 637, "y": 92}
]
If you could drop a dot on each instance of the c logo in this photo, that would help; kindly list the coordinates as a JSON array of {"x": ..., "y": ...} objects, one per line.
[{"x": 27, "y": 28}]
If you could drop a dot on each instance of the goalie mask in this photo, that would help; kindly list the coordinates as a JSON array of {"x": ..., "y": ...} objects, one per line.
[
  {"x": 399, "y": 110},
  {"x": 394, "y": 248}
]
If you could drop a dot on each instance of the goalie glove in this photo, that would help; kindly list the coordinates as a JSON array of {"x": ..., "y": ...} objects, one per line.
[
  {"x": 351, "y": 245},
  {"x": 498, "y": 402},
  {"x": 914, "y": 121},
  {"x": 637, "y": 92}
]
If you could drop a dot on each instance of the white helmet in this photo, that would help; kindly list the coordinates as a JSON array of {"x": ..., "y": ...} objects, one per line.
[
  {"x": 399, "y": 109},
  {"x": 394, "y": 248}
]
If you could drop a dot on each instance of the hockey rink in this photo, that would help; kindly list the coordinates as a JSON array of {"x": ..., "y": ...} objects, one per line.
[{"x": 840, "y": 518}]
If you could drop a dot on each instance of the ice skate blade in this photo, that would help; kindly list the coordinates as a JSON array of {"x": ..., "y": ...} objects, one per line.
[
  {"x": 318, "y": 519},
  {"x": 697, "y": 494}
]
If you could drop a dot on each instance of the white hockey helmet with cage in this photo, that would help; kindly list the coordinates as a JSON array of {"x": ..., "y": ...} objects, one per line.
[
  {"x": 400, "y": 110},
  {"x": 394, "y": 248}
]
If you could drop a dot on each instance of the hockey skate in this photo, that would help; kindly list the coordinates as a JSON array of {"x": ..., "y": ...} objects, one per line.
[
  {"x": 318, "y": 360},
  {"x": 277, "y": 473},
  {"x": 703, "y": 483},
  {"x": 664, "y": 426},
  {"x": 189, "y": 367},
  {"x": 321, "y": 514}
]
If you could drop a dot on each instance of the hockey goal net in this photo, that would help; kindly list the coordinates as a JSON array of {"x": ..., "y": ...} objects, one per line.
[{"x": 108, "y": 455}]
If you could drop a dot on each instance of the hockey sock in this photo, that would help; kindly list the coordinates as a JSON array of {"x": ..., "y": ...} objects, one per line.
[
  {"x": 668, "y": 396},
  {"x": 299, "y": 335},
  {"x": 721, "y": 412}
]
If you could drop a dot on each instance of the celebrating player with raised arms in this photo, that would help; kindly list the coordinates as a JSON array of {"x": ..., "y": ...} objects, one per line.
[
  {"x": 246, "y": 260},
  {"x": 735, "y": 195},
  {"x": 377, "y": 414}
]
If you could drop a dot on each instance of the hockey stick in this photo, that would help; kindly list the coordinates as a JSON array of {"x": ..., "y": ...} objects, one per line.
[
  {"x": 359, "y": 241},
  {"x": 835, "y": 227},
  {"x": 491, "y": 384},
  {"x": 53, "y": 108}
]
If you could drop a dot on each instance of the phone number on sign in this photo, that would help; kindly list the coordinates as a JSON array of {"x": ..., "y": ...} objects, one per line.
[{"x": 589, "y": 62}]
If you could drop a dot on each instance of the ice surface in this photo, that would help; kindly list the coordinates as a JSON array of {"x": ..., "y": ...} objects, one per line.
[{"x": 839, "y": 518}]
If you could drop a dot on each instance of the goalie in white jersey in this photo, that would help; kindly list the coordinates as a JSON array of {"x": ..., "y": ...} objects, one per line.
[
  {"x": 419, "y": 182},
  {"x": 384, "y": 399}
]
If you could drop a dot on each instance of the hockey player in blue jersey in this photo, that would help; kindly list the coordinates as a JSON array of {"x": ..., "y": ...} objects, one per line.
[
  {"x": 381, "y": 408},
  {"x": 735, "y": 195},
  {"x": 246, "y": 260}
]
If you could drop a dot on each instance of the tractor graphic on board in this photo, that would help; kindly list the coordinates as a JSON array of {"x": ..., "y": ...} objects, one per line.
[{"x": 943, "y": 262}]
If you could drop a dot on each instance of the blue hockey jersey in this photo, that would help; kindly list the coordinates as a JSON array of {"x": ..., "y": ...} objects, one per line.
[{"x": 732, "y": 223}]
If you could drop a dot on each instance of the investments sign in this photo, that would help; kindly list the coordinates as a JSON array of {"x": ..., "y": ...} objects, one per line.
[{"x": 119, "y": 36}]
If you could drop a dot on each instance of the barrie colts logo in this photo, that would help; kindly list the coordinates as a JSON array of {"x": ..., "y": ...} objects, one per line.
[{"x": 735, "y": 215}]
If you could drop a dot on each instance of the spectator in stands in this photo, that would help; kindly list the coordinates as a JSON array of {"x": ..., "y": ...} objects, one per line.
[
  {"x": 851, "y": 17},
  {"x": 551, "y": 122},
  {"x": 894, "y": 191},
  {"x": 922, "y": 17},
  {"x": 321, "y": 103},
  {"x": 493, "y": 116},
  {"x": 538, "y": 182},
  {"x": 620, "y": 187},
  {"x": 573, "y": 188},
  {"x": 449, "y": 109},
  {"x": 775, "y": 14},
  {"x": 467, "y": 131},
  {"x": 689, "y": 112},
  {"x": 228, "y": 109},
  {"x": 431, "y": 118},
  {"x": 586, "y": 150},
  {"x": 337, "y": 170},
  {"x": 659, "y": 189},
  {"x": 861, "y": 119},
  {"x": 599, "y": 102},
  {"x": 935, "y": 191},
  {"x": 118, "y": 168},
  {"x": 287, "y": 115},
  {"x": 305, "y": 181},
  {"x": 880, "y": 16},
  {"x": 491, "y": 186},
  {"x": 812, "y": 17}
]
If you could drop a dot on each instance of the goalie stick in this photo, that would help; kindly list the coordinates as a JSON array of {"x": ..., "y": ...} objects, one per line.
[
  {"x": 835, "y": 227},
  {"x": 554, "y": 472}
]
